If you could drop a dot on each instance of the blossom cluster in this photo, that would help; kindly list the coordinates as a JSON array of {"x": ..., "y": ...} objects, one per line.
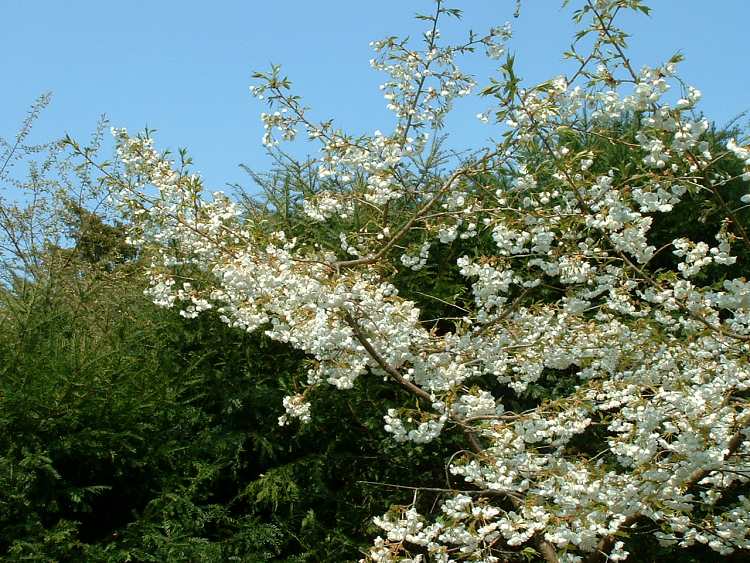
[{"x": 649, "y": 420}]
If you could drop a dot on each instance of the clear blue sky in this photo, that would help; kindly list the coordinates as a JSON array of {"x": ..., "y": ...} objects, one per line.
[{"x": 184, "y": 67}]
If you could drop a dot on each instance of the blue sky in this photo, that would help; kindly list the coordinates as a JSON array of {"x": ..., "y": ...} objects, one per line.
[{"x": 184, "y": 67}]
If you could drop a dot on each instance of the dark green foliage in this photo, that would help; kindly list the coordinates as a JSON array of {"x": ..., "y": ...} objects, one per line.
[
  {"x": 107, "y": 439},
  {"x": 93, "y": 239},
  {"x": 128, "y": 433}
]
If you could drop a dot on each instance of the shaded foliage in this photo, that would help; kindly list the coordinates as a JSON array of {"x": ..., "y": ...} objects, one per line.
[{"x": 130, "y": 433}]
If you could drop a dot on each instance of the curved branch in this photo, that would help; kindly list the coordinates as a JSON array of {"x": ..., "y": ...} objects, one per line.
[{"x": 547, "y": 550}]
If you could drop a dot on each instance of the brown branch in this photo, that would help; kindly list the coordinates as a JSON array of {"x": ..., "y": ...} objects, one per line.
[
  {"x": 404, "y": 229},
  {"x": 544, "y": 547},
  {"x": 384, "y": 365},
  {"x": 605, "y": 29}
]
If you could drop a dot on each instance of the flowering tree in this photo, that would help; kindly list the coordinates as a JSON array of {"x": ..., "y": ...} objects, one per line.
[{"x": 648, "y": 418}]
